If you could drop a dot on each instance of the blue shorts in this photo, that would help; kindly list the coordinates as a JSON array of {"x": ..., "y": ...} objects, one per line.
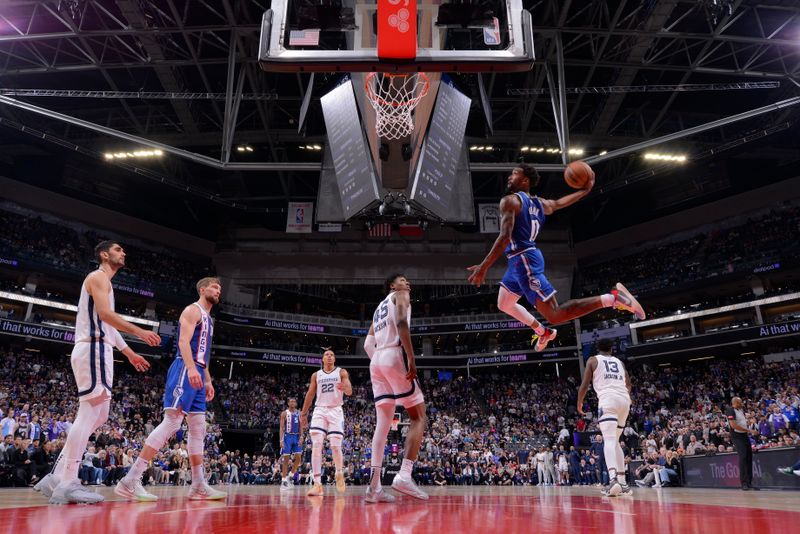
[
  {"x": 525, "y": 277},
  {"x": 180, "y": 394},
  {"x": 291, "y": 444}
]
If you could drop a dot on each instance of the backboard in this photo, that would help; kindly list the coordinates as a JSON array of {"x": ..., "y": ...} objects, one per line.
[{"x": 378, "y": 35}]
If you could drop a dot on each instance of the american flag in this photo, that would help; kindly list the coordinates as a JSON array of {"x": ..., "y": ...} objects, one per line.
[
  {"x": 304, "y": 38},
  {"x": 381, "y": 230}
]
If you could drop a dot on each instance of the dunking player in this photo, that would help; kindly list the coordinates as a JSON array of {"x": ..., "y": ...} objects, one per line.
[
  {"x": 522, "y": 217},
  {"x": 96, "y": 329},
  {"x": 188, "y": 389},
  {"x": 329, "y": 384},
  {"x": 393, "y": 371},
  {"x": 290, "y": 443},
  {"x": 612, "y": 385}
]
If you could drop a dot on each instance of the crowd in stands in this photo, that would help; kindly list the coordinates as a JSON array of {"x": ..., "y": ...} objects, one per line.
[
  {"x": 497, "y": 427},
  {"x": 65, "y": 248},
  {"x": 757, "y": 243}
]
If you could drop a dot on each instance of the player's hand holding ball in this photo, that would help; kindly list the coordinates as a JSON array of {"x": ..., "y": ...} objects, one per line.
[{"x": 579, "y": 175}]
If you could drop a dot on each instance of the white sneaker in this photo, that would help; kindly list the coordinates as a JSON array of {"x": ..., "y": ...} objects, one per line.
[
  {"x": 47, "y": 485},
  {"x": 408, "y": 486},
  {"x": 133, "y": 490},
  {"x": 204, "y": 492},
  {"x": 379, "y": 495},
  {"x": 612, "y": 490},
  {"x": 73, "y": 492},
  {"x": 626, "y": 301},
  {"x": 285, "y": 485}
]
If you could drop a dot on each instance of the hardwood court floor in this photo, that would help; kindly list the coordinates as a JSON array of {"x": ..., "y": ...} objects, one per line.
[{"x": 264, "y": 509}]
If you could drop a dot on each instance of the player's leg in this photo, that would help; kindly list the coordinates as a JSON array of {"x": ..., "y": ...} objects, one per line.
[
  {"x": 619, "y": 298},
  {"x": 607, "y": 424},
  {"x": 384, "y": 413},
  {"x": 335, "y": 419},
  {"x": 513, "y": 285},
  {"x": 196, "y": 420},
  {"x": 131, "y": 484},
  {"x": 622, "y": 417},
  {"x": 317, "y": 441},
  {"x": 92, "y": 367},
  {"x": 69, "y": 488},
  {"x": 415, "y": 406}
]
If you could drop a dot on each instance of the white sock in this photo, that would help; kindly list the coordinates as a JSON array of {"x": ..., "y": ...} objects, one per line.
[
  {"x": 406, "y": 468},
  {"x": 318, "y": 479},
  {"x": 137, "y": 469},
  {"x": 608, "y": 300},
  {"x": 198, "y": 475}
]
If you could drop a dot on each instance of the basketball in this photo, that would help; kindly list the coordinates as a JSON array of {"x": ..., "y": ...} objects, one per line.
[{"x": 577, "y": 174}]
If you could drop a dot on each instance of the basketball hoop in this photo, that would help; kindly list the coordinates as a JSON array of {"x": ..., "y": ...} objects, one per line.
[{"x": 394, "y": 97}]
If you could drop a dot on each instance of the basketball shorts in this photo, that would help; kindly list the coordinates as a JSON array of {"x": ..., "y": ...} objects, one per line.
[
  {"x": 93, "y": 367},
  {"x": 179, "y": 393},
  {"x": 613, "y": 407},
  {"x": 329, "y": 420},
  {"x": 525, "y": 277},
  {"x": 387, "y": 370},
  {"x": 291, "y": 444}
]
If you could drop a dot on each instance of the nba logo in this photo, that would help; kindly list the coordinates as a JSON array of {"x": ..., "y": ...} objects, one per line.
[
  {"x": 299, "y": 215},
  {"x": 491, "y": 36}
]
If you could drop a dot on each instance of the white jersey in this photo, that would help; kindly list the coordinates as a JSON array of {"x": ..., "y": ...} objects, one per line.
[
  {"x": 384, "y": 324},
  {"x": 88, "y": 326},
  {"x": 328, "y": 395},
  {"x": 609, "y": 377}
]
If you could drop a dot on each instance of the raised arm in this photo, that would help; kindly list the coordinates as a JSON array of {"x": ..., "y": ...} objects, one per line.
[
  {"x": 591, "y": 365},
  {"x": 554, "y": 205},
  {"x": 509, "y": 207}
]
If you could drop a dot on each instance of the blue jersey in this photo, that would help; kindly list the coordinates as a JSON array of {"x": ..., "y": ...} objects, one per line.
[
  {"x": 201, "y": 339},
  {"x": 527, "y": 224},
  {"x": 292, "y": 422}
]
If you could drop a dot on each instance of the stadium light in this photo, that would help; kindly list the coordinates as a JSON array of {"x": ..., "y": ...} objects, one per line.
[
  {"x": 134, "y": 154},
  {"x": 675, "y": 158}
]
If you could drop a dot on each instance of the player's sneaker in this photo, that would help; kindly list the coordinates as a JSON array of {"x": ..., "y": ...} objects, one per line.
[
  {"x": 340, "y": 485},
  {"x": 204, "y": 492},
  {"x": 408, "y": 486},
  {"x": 542, "y": 341},
  {"x": 73, "y": 492},
  {"x": 316, "y": 491},
  {"x": 133, "y": 490},
  {"x": 626, "y": 490},
  {"x": 285, "y": 485},
  {"x": 50, "y": 482},
  {"x": 379, "y": 495},
  {"x": 612, "y": 490},
  {"x": 626, "y": 301}
]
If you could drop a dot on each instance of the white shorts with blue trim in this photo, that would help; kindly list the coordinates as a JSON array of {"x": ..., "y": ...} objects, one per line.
[
  {"x": 93, "y": 367},
  {"x": 612, "y": 407},
  {"x": 387, "y": 370},
  {"x": 327, "y": 419}
]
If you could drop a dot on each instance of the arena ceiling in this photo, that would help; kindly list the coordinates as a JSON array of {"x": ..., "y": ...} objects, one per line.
[{"x": 168, "y": 70}]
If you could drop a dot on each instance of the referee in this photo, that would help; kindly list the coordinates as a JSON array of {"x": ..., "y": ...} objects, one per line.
[{"x": 738, "y": 424}]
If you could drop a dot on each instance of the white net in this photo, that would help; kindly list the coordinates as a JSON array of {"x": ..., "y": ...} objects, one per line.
[{"x": 394, "y": 97}]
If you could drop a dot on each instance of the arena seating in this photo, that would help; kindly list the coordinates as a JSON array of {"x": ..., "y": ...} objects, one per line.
[{"x": 485, "y": 429}]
